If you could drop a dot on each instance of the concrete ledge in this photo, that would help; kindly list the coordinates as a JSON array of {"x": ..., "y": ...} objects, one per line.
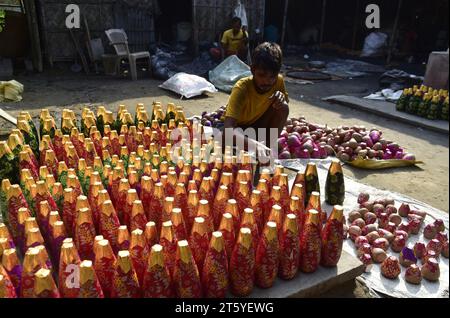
[{"x": 388, "y": 110}]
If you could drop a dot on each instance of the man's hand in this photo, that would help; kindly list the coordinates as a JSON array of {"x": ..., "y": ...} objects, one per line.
[
  {"x": 263, "y": 153},
  {"x": 278, "y": 100}
]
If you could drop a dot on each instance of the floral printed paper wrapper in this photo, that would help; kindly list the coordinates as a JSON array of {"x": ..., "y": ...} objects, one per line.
[
  {"x": 91, "y": 289},
  {"x": 267, "y": 262},
  {"x": 289, "y": 255},
  {"x": 310, "y": 248},
  {"x": 332, "y": 242},
  {"x": 125, "y": 285},
  {"x": 215, "y": 274},
  {"x": 157, "y": 283},
  {"x": 104, "y": 268},
  {"x": 186, "y": 280},
  {"x": 242, "y": 268}
]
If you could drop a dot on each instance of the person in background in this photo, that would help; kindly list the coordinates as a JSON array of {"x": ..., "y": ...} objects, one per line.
[
  {"x": 260, "y": 102},
  {"x": 234, "y": 42}
]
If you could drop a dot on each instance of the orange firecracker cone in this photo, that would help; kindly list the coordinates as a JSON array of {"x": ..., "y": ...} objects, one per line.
[
  {"x": 43, "y": 257},
  {"x": 147, "y": 189},
  {"x": 25, "y": 162},
  {"x": 33, "y": 238},
  {"x": 123, "y": 238},
  {"x": 132, "y": 196},
  {"x": 69, "y": 209},
  {"x": 168, "y": 242},
  {"x": 157, "y": 205},
  {"x": 263, "y": 187},
  {"x": 315, "y": 204},
  {"x": 44, "y": 285},
  {"x": 215, "y": 271},
  {"x": 289, "y": 248},
  {"x": 333, "y": 238},
  {"x": 178, "y": 224},
  {"x": 279, "y": 170},
  {"x": 181, "y": 197},
  {"x": 206, "y": 190},
  {"x": 16, "y": 201},
  {"x": 275, "y": 199},
  {"x": 310, "y": 243},
  {"x": 248, "y": 221},
  {"x": 233, "y": 209},
  {"x": 258, "y": 209},
  {"x": 138, "y": 219},
  {"x": 139, "y": 251},
  {"x": 23, "y": 214},
  {"x": 85, "y": 234},
  {"x": 167, "y": 208},
  {"x": 186, "y": 278},
  {"x": 109, "y": 224},
  {"x": 31, "y": 264},
  {"x": 191, "y": 210},
  {"x": 242, "y": 196},
  {"x": 89, "y": 284},
  {"x": 68, "y": 264},
  {"x": 277, "y": 216},
  {"x": 94, "y": 191},
  {"x": 104, "y": 266},
  {"x": 267, "y": 257},
  {"x": 125, "y": 281},
  {"x": 299, "y": 179},
  {"x": 151, "y": 234},
  {"x": 296, "y": 208},
  {"x": 199, "y": 241},
  {"x": 226, "y": 227},
  {"x": 58, "y": 235},
  {"x": 242, "y": 265},
  {"x": 6, "y": 287},
  {"x": 219, "y": 205},
  {"x": 12, "y": 269},
  {"x": 43, "y": 215},
  {"x": 204, "y": 211},
  {"x": 157, "y": 280}
]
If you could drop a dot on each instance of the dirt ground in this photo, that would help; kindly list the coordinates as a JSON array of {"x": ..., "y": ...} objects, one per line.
[{"x": 428, "y": 183}]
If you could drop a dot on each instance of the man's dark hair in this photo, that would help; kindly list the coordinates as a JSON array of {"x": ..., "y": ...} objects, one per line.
[
  {"x": 269, "y": 57},
  {"x": 236, "y": 20}
]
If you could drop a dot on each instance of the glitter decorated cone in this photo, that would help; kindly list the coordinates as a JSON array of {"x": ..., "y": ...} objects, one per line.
[
  {"x": 178, "y": 224},
  {"x": 138, "y": 219},
  {"x": 157, "y": 280},
  {"x": 310, "y": 243},
  {"x": 267, "y": 257},
  {"x": 31, "y": 264},
  {"x": 69, "y": 209},
  {"x": 132, "y": 196},
  {"x": 296, "y": 208},
  {"x": 315, "y": 204},
  {"x": 242, "y": 196},
  {"x": 147, "y": 188},
  {"x": 333, "y": 238},
  {"x": 275, "y": 199},
  {"x": 16, "y": 200},
  {"x": 139, "y": 251},
  {"x": 58, "y": 235},
  {"x": 289, "y": 248},
  {"x": 248, "y": 221},
  {"x": 123, "y": 238},
  {"x": 4, "y": 232},
  {"x": 85, "y": 234},
  {"x": 168, "y": 242},
  {"x": 258, "y": 209},
  {"x": 226, "y": 227},
  {"x": 191, "y": 209},
  {"x": 186, "y": 278},
  {"x": 6, "y": 287},
  {"x": 109, "y": 223},
  {"x": 157, "y": 205},
  {"x": 242, "y": 265},
  {"x": 13, "y": 268},
  {"x": 44, "y": 285},
  {"x": 69, "y": 262},
  {"x": 215, "y": 270},
  {"x": 151, "y": 234},
  {"x": 298, "y": 190},
  {"x": 233, "y": 209},
  {"x": 199, "y": 241},
  {"x": 125, "y": 281},
  {"x": 204, "y": 211},
  {"x": 104, "y": 266},
  {"x": 219, "y": 204},
  {"x": 284, "y": 190},
  {"x": 89, "y": 284}
]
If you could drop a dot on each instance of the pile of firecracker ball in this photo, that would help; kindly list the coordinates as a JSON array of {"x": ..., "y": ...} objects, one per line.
[{"x": 100, "y": 208}]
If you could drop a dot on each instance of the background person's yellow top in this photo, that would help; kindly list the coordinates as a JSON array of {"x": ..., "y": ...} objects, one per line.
[
  {"x": 233, "y": 41},
  {"x": 246, "y": 105}
]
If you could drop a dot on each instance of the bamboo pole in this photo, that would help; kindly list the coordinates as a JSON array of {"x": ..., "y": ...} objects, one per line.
[
  {"x": 283, "y": 33},
  {"x": 394, "y": 32}
]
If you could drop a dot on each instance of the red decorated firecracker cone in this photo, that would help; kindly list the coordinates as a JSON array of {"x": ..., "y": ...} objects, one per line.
[
  {"x": 206, "y": 190},
  {"x": 42, "y": 194},
  {"x": 6, "y": 287},
  {"x": 23, "y": 214},
  {"x": 199, "y": 241},
  {"x": 167, "y": 209},
  {"x": 283, "y": 183},
  {"x": 25, "y": 162},
  {"x": 168, "y": 242},
  {"x": 132, "y": 196},
  {"x": 74, "y": 183},
  {"x": 172, "y": 180},
  {"x": 181, "y": 197},
  {"x": 44, "y": 285},
  {"x": 12, "y": 269},
  {"x": 197, "y": 177},
  {"x": 242, "y": 265},
  {"x": 96, "y": 138},
  {"x": 51, "y": 161},
  {"x": 227, "y": 180},
  {"x": 157, "y": 205},
  {"x": 186, "y": 278},
  {"x": 43, "y": 257},
  {"x": 204, "y": 211},
  {"x": 94, "y": 190},
  {"x": 125, "y": 280},
  {"x": 69, "y": 210},
  {"x": 289, "y": 248},
  {"x": 68, "y": 265},
  {"x": 133, "y": 178},
  {"x": 85, "y": 234},
  {"x": 299, "y": 179},
  {"x": 179, "y": 227},
  {"x": 267, "y": 257},
  {"x": 279, "y": 170},
  {"x": 333, "y": 238},
  {"x": 33, "y": 238},
  {"x": 16, "y": 200},
  {"x": 114, "y": 144},
  {"x": 310, "y": 243},
  {"x": 277, "y": 216},
  {"x": 215, "y": 179},
  {"x": 191, "y": 210},
  {"x": 233, "y": 209},
  {"x": 109, "y": 224},
  {"x": 314, "y": 204},
  {"x": 58, "y": 235},
  {"x": 139, "y": 251},
  {"x": 123, "y": 238},
  {"x": 242, "y": 196},
  {"x": 275, "y": 199},
  {"x": 219, "y": 205},
  {"x": 31, "y": 264},
  {"x": 192, "y": 186},
  {"x": 117, "y": 176},
  {"x": 151, "y": 234},
  {"x": 215, "y": 271},
  {"x": 184, "y": 178},
  {"x": 58, "y": 145},
  {"x": 138, "y": 219},
  {"x": 89, "y": 284},
  {"x": 147, "y": 189},
  {"x": 157, "y": 280},
  {"x": 226, "y": 227},
  {"x": 296, "y": 208},
  {"x": 43, "y": 215},
  {"x": 90, "y": 153},
  {"x": 256, "y": 205},
  {"x": 121, "y": 202},
  {"x": 299, "y": 191},
  {"x": 248, "y": 221},
  {"x": 104, "y": 266},
  {"x": 71, "y": 157}
]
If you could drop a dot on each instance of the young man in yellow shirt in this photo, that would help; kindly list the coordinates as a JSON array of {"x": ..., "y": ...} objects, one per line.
[
  {"x": 234, "y": 42},
  {"x": 259, "y": 102}
]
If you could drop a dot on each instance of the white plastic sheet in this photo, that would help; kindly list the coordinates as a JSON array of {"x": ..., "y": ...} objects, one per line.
[
  {"x": 240, "y": 12},
  {"x": 188, "y": 85},
  {"x": 226, "y": 74},
  {"x": 398, "y": 288}
]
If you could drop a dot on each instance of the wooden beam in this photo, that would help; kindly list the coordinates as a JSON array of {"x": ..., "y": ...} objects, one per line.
[
  {"x": 283, "y": 32},
  {"x": 394, "y": 32},
  {"x": 322, "y": 24},
  {"x": 33, "y": 28}
]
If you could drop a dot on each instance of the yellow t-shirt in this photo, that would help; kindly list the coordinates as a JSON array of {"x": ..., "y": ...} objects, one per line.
[
  {"x": 246, "y": 105},
  {"x": 232, "y": 41}
]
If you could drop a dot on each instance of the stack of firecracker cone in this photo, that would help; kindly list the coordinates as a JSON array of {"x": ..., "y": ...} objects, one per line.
[{"x": 102, "y": 209}]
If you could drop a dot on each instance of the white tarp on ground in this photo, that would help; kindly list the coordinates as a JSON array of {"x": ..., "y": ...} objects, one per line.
[
  {"x": 188, "y": 85},
  {"x": 398, "y": 288}
]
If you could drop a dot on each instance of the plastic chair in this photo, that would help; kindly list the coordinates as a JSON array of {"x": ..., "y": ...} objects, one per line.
[{"x": 119, "y": 40}]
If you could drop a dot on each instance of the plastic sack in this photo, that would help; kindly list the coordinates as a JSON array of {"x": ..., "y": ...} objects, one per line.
[
  {"x": 371, "y": 164},
  {"x": 231, "y": 70},
  {"x": 240, "y": 12},
  {"x": 374, "y": 44},
  {"x": 188, "y": 85}
]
